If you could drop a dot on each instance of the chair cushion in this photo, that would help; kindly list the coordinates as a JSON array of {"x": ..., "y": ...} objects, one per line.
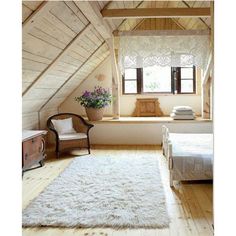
[
  {"x": 72, "y": 136},
  {"x": 64, "y": 126}
]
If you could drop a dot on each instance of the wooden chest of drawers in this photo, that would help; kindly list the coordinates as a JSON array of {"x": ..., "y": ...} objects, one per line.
[{"x": 33, "y": 149}]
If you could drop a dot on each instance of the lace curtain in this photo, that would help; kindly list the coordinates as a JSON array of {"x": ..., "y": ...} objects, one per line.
[{"x": 176, "y": 50}]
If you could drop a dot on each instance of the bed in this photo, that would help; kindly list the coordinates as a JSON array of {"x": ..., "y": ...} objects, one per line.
[{"x": 189, "y": 155}]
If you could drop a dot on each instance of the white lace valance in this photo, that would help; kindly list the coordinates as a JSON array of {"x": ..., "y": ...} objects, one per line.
[{"x": 164, "y": 50}]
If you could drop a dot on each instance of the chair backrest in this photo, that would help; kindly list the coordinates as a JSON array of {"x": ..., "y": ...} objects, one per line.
[{"x": 78, "y": 121}]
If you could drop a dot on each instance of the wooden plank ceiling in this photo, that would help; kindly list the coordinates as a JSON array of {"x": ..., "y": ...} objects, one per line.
[{"x": 62, "y": 46}]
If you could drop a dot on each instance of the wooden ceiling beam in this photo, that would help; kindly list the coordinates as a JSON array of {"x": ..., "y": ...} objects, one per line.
[
  {"x": 155, "y": 13},
  {"x": 92, "y": 13}
]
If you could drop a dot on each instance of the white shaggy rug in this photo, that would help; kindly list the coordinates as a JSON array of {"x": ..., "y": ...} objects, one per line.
[{"x": 110, "y": 191}]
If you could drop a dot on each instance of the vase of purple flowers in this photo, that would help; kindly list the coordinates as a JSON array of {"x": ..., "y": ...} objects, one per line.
[{"x": 95, "y": 102}]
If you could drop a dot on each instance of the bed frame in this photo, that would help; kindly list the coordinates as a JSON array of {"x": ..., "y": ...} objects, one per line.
[{"x": 167, "y": 147}]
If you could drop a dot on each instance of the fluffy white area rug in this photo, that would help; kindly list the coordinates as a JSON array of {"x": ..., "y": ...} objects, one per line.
[{"x": 110, "y": 191}]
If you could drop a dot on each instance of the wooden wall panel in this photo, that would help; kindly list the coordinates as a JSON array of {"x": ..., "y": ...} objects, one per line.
[
  {"x": 29, "y": 106},
  {"x": 64, "y": 13},
  {"x": 30, "y": 120},
  {"x": 158, "y": 24},
  {"x": 28, "y": 7},
  {"x": 26, "y": 12},
  {"x": 84, "y": 71},
  {"x": 43, "y": 117},
  {"x": 33, "y": 5},
  {"x": 41, "y": 45}
]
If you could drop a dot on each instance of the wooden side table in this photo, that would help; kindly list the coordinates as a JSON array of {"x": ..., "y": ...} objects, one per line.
[
  {"x": 33, "y": 149},
  {"x": 148, "y": 107}
]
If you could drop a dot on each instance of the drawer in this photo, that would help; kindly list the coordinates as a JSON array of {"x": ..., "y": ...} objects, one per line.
[{"x": 32, "y": 146}]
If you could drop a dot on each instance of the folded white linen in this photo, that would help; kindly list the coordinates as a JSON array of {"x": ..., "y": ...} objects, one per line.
[
  {"x": 183, "y": 112},
  {"x": 182, "y": 117},
  {"x": 182, "y": 108}
]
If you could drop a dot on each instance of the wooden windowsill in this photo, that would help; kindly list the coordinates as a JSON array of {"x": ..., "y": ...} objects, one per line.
[{"x": 135, "y": 120}]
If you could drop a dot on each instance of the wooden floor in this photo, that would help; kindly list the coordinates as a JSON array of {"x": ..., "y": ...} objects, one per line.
[{"x": 189, "y": 204}]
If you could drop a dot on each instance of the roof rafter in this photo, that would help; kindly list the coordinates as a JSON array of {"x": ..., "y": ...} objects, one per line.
[
  {"x": 186, "y": 4},
  {"x": 92, "y": 13}
]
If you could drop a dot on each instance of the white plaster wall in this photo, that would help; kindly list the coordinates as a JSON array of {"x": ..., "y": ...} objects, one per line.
[
  {"x": 167, "y": 102},
  {"x": 142, "y": 133},
  {"x": 127, "y": 102}
]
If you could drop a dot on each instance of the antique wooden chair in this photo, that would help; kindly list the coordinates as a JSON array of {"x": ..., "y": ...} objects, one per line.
[{"x": 78, "y": 139}]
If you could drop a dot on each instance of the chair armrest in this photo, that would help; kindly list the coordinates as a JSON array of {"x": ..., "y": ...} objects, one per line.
[
  {"x": 50, "y": 127},
  {"x": 85, "y": 123}
]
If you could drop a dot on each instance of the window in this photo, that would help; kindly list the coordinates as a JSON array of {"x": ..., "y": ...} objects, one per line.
[
  {"x": 130, "y": 81},
  {"x": 157, "y": 79},
  {"x": 184, "y": 78}
]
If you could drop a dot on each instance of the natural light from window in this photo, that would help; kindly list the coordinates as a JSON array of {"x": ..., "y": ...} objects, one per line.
[
  {"x": 130, "y": 81},
  {"x": 187, "y": 79},
  {"x": 156, "y": 79}
]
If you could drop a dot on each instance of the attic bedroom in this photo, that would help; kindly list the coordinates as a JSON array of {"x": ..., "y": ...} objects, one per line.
[{"x": 117, "y": 117}]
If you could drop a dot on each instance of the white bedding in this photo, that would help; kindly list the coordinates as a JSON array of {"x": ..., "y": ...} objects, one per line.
[
  {"x": 199, "y": 145},
  {"x": 192, "y": 156}
]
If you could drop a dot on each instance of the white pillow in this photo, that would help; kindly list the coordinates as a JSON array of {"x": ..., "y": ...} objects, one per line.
[{"x": 64, "y": 126}]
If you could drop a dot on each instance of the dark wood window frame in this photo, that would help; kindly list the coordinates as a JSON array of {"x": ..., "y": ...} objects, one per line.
[
  {"x": 178, "y": 78},
  {"x": 175, "y": 82}
]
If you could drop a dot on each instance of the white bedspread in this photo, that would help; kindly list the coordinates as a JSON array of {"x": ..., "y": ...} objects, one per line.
[{"x": 192, "y": 156}]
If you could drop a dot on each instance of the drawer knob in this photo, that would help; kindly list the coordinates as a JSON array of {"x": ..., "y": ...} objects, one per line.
[{"x": 26, "y": 155}]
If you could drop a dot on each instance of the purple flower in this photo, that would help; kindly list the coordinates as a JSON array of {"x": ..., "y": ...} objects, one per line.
[
  {"x": 98, "y": 98},
  {"x": 86, "y": 94}
]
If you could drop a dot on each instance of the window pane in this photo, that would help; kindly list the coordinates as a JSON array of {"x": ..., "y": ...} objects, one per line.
[
  {"x": 130, "y": 86},
  {"x": 187, "y": 73},
  {"x": 186, "y": 86},
  {"x": 130, "y": 74},
  {"x": 157, "y": 79}
]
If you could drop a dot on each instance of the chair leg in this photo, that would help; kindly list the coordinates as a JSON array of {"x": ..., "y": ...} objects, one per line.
[
  {"x": 57, "y": 154},
  {"x": 89, "y": 152},
  {"x": 57, "y": 150}
]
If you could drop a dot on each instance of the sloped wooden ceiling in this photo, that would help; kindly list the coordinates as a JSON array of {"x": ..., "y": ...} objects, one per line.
[{"x": 61, "y": 48}]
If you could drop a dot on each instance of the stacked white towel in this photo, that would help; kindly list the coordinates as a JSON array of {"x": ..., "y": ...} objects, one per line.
[{"x": 182, "y": 113}]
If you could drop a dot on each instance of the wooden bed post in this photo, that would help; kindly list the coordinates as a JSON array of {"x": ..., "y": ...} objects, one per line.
[
  {"x": 163, "y": 129},
  {"x": 170, "y": 163}
]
